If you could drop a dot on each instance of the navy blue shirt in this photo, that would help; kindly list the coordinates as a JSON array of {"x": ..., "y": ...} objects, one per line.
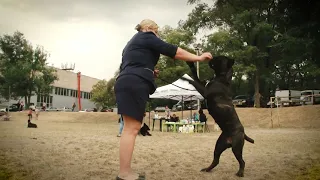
[{"x": 142, "y": 53}]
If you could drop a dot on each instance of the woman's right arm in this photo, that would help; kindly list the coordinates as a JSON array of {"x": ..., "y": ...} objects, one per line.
[
  {"x": 184, "y": 55},
  {"x": 174, "y": 51}
]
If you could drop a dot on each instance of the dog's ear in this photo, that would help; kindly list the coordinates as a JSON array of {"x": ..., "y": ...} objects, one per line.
[{"x": 230, "y": 63}]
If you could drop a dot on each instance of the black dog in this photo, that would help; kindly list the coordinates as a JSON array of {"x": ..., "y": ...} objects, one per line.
[
  {"x": 218, "y": 95},
  {"x": 31, "y": 125},
  {"x": 144, "y": 130}
]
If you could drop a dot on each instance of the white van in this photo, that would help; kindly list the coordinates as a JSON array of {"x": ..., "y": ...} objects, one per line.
[
  {"x": 287, "y": 97},
  {"x": 310, "y": 97}
]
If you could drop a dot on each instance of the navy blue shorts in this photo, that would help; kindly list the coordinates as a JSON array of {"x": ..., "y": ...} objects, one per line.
[{"x": 132, "y": 94}]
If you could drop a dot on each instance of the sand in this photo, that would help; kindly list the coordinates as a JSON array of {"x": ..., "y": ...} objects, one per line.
[{"x": 84, "y": 146}]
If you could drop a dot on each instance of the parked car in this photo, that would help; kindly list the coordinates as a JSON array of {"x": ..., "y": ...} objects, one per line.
[
  {"x": 50, "y": 109},
  {"x": 13, "y": 108},
  {"x": 310, "y": 97},
  {"x": 243, "y": 101},
  {"x": 160, "y": 109},
  {"x": 106, "y": 109},
  {"x": 66, "y": 109}
]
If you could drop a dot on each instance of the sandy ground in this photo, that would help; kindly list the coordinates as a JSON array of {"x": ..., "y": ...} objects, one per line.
[{"x": 84, "y": 146}]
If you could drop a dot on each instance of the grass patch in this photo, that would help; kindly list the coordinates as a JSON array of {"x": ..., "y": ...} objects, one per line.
[
  {"x": 312, "y": 173},
  {"x": 5, "y": 174}
]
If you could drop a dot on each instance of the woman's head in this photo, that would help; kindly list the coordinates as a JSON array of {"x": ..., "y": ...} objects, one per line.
[{"x": 147, "y": 25}]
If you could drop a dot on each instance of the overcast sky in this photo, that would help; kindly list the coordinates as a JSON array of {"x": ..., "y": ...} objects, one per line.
[{"x": 89, "y": 33}]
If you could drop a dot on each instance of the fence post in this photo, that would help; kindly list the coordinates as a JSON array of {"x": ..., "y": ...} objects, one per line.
[{"x": 271, "y": 112}]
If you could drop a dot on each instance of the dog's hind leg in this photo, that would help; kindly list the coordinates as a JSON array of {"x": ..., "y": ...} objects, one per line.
[
  {"x": 221, "y": 145},
  {"x": 237, "y": 148}
]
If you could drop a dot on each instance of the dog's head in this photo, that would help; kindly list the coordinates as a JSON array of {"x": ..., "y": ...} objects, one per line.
[
  {"x": 146, "y": 127},
  {"x": 222, "y": 67}
]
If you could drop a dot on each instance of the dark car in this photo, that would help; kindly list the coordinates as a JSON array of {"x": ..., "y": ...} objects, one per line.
[
  {"x": 13, "y": 108},
  {"x": 106, "y": 109},
  {"x": 243, "y": 101}
]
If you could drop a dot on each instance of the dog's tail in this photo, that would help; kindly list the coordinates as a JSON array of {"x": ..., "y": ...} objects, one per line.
[{"x": 248, "y": 139}]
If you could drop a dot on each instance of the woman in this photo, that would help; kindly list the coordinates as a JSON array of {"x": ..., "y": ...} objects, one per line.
[
  {"x": 136, "y": 81},
  {"x": 195, "y": 116}
]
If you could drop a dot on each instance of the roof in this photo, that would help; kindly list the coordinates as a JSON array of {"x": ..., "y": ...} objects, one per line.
[{"x": 68, "y": 79}]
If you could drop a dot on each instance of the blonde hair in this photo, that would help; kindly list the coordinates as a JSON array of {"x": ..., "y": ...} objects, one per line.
[{"x": 147, "y": 24}]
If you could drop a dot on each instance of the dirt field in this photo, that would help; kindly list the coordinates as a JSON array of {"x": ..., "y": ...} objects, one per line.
[{"x": 84, "y": 146}]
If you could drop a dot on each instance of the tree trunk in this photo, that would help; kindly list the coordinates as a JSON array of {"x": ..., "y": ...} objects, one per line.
[
  {"x": 29, "y": 97},
  {"x": 257, "y": 90},
  {"x": 25, "y": 102},
  {"x": 239, "y": 83}
]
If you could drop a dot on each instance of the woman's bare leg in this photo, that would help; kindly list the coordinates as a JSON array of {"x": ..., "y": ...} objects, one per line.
[{"x": 127, "y": 141}]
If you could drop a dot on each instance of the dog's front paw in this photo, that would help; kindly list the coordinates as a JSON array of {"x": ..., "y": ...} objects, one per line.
[
  {"x": 240, "y": 174},
  {"x": 205, "y": 170}
]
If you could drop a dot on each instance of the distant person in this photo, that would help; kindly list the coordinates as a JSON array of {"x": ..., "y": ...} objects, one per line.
[
  {"x": 30, "y": 113},
  {"x": 121, "y": 126},
  {"x": 202, "y": 116},
  {"x": 21, "y": 106},
  {"x": 167, "y": 111},
  {"x": 156, "y": 115},
  {"x": 174, "y": 118},
  {"x": 44, "y": 106},
  {"x": 73, "y": 106},
  {"x": 5, "y": 116},
  {"x": 37, "y": 111},
  {"x": 195, "y": 116},
  {"x": 136, "y": 82}
]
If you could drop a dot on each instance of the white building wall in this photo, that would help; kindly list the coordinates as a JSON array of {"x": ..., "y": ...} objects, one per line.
[
  {"x": 67, "y": 81},
  {"x": 64, "y": 101}
]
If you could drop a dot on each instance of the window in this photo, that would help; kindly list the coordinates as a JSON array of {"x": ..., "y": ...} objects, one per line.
[
  {"x": 44, "y": 99},
  {"x": 56, "y": 90}
]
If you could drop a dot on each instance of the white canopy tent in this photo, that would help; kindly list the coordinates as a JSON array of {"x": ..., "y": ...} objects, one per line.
[{"x": 179, "y": 90}]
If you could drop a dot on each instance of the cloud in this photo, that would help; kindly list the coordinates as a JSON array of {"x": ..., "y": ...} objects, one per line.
[
  {"x": 90, "y": 33},
  {"x": 58, "y": 10}
]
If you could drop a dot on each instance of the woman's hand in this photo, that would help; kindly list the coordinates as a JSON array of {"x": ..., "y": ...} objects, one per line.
[
  {"x": 205, "y": 56},
  {"x": 156, "y": 73}
]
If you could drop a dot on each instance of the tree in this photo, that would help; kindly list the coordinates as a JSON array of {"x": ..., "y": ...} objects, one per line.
[
  {"x": 24, "y": 68},
  {"x": 99, "y": 93},
  {"x": 103, "y": 93},
  {"x": 278, "y": 38}
]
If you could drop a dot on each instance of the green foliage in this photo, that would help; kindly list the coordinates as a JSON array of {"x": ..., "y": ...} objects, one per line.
[
  {"x": 273, "y": 42},
  {"x": 24, "y": 68},
  {"x": 103, "y": 93}
]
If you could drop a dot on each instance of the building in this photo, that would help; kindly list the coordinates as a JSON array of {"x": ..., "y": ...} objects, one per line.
[{"x": 65, "y": 91}]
